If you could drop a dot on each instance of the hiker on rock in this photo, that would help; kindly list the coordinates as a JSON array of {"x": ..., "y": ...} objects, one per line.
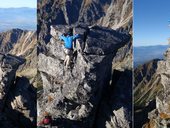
[{"x": 68, "y": 44}]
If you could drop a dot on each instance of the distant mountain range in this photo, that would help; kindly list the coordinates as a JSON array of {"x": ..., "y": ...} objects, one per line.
[
  {"x": 144, "y": 54},
  {"x": 23, "y": 18}
]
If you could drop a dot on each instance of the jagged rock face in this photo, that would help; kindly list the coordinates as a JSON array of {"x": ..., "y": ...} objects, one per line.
[
  {"x": 8, "y": 67},
  {"x": 146, "y": 80},
  {"x": 118, "y": 14},
  {"x": 21, "y": 43},
  {"x": 17, "y": 100},
  {"x": 109, "y": 13},
  {"x": 159, "y": 86},
  {"x": 17, "y": 42},
  {"x": 72, "y": 96}
]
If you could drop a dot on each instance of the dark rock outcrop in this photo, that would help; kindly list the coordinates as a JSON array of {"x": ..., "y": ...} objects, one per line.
[
  {"x": 8, "y": 67},
  {"x": 72, "y": 96},
  {"x": 17, "y": 98}
]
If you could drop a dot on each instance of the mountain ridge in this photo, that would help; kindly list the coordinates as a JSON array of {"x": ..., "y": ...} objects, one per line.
[
  {"x": 151, "y": 92},
  {"x": 22, "y": 43}
]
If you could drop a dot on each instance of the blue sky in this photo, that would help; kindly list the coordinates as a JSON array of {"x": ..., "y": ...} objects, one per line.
[
  {"x": 18, "y": 3},
  {"x": 151, "y": 22}
]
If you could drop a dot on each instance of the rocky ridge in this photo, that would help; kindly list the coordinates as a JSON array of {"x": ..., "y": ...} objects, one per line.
[
  {"x": 157, "y": 90},
  {"x": 17, "y": 42},
  {"x": 160, "y": 117}
]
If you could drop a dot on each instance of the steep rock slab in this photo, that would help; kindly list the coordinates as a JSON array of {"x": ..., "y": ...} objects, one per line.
[
  {"x": 8, "y": 67},
  {"x": 72, "y": 95},
  {"x": 123, "y": 58}
]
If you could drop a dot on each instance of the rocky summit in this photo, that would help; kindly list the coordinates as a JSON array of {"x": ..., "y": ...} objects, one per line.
[
  {"x": 17, "y": 96},
  {"x": 154, "y": 83},
  {"x": 75, "y": 96}
]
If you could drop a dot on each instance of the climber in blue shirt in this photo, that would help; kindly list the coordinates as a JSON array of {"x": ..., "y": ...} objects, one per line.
[
  {"x": 68, "y": 44},
  {"x": 68, "y": 40}
]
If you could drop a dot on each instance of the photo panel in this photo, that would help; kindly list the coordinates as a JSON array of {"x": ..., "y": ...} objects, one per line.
[
  {"x": 18, "y": 64},
  {"x": 151, "y": 64},
  {"x": 85, "y": 63}
]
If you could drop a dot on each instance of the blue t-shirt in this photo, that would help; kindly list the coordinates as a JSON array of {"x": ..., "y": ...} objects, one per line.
[{"x": 68, "y": 40}]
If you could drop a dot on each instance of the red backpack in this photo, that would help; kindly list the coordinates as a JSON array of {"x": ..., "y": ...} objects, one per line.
[{"x": 47, "y": 120}]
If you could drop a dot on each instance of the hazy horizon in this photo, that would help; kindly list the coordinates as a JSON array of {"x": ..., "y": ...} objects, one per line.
[
  {"x": 151, "y": 45},
  {"x": 143, "y": 54},
  {"x": 22, "y": 18},
  {"x": 18, "y": 14}
]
